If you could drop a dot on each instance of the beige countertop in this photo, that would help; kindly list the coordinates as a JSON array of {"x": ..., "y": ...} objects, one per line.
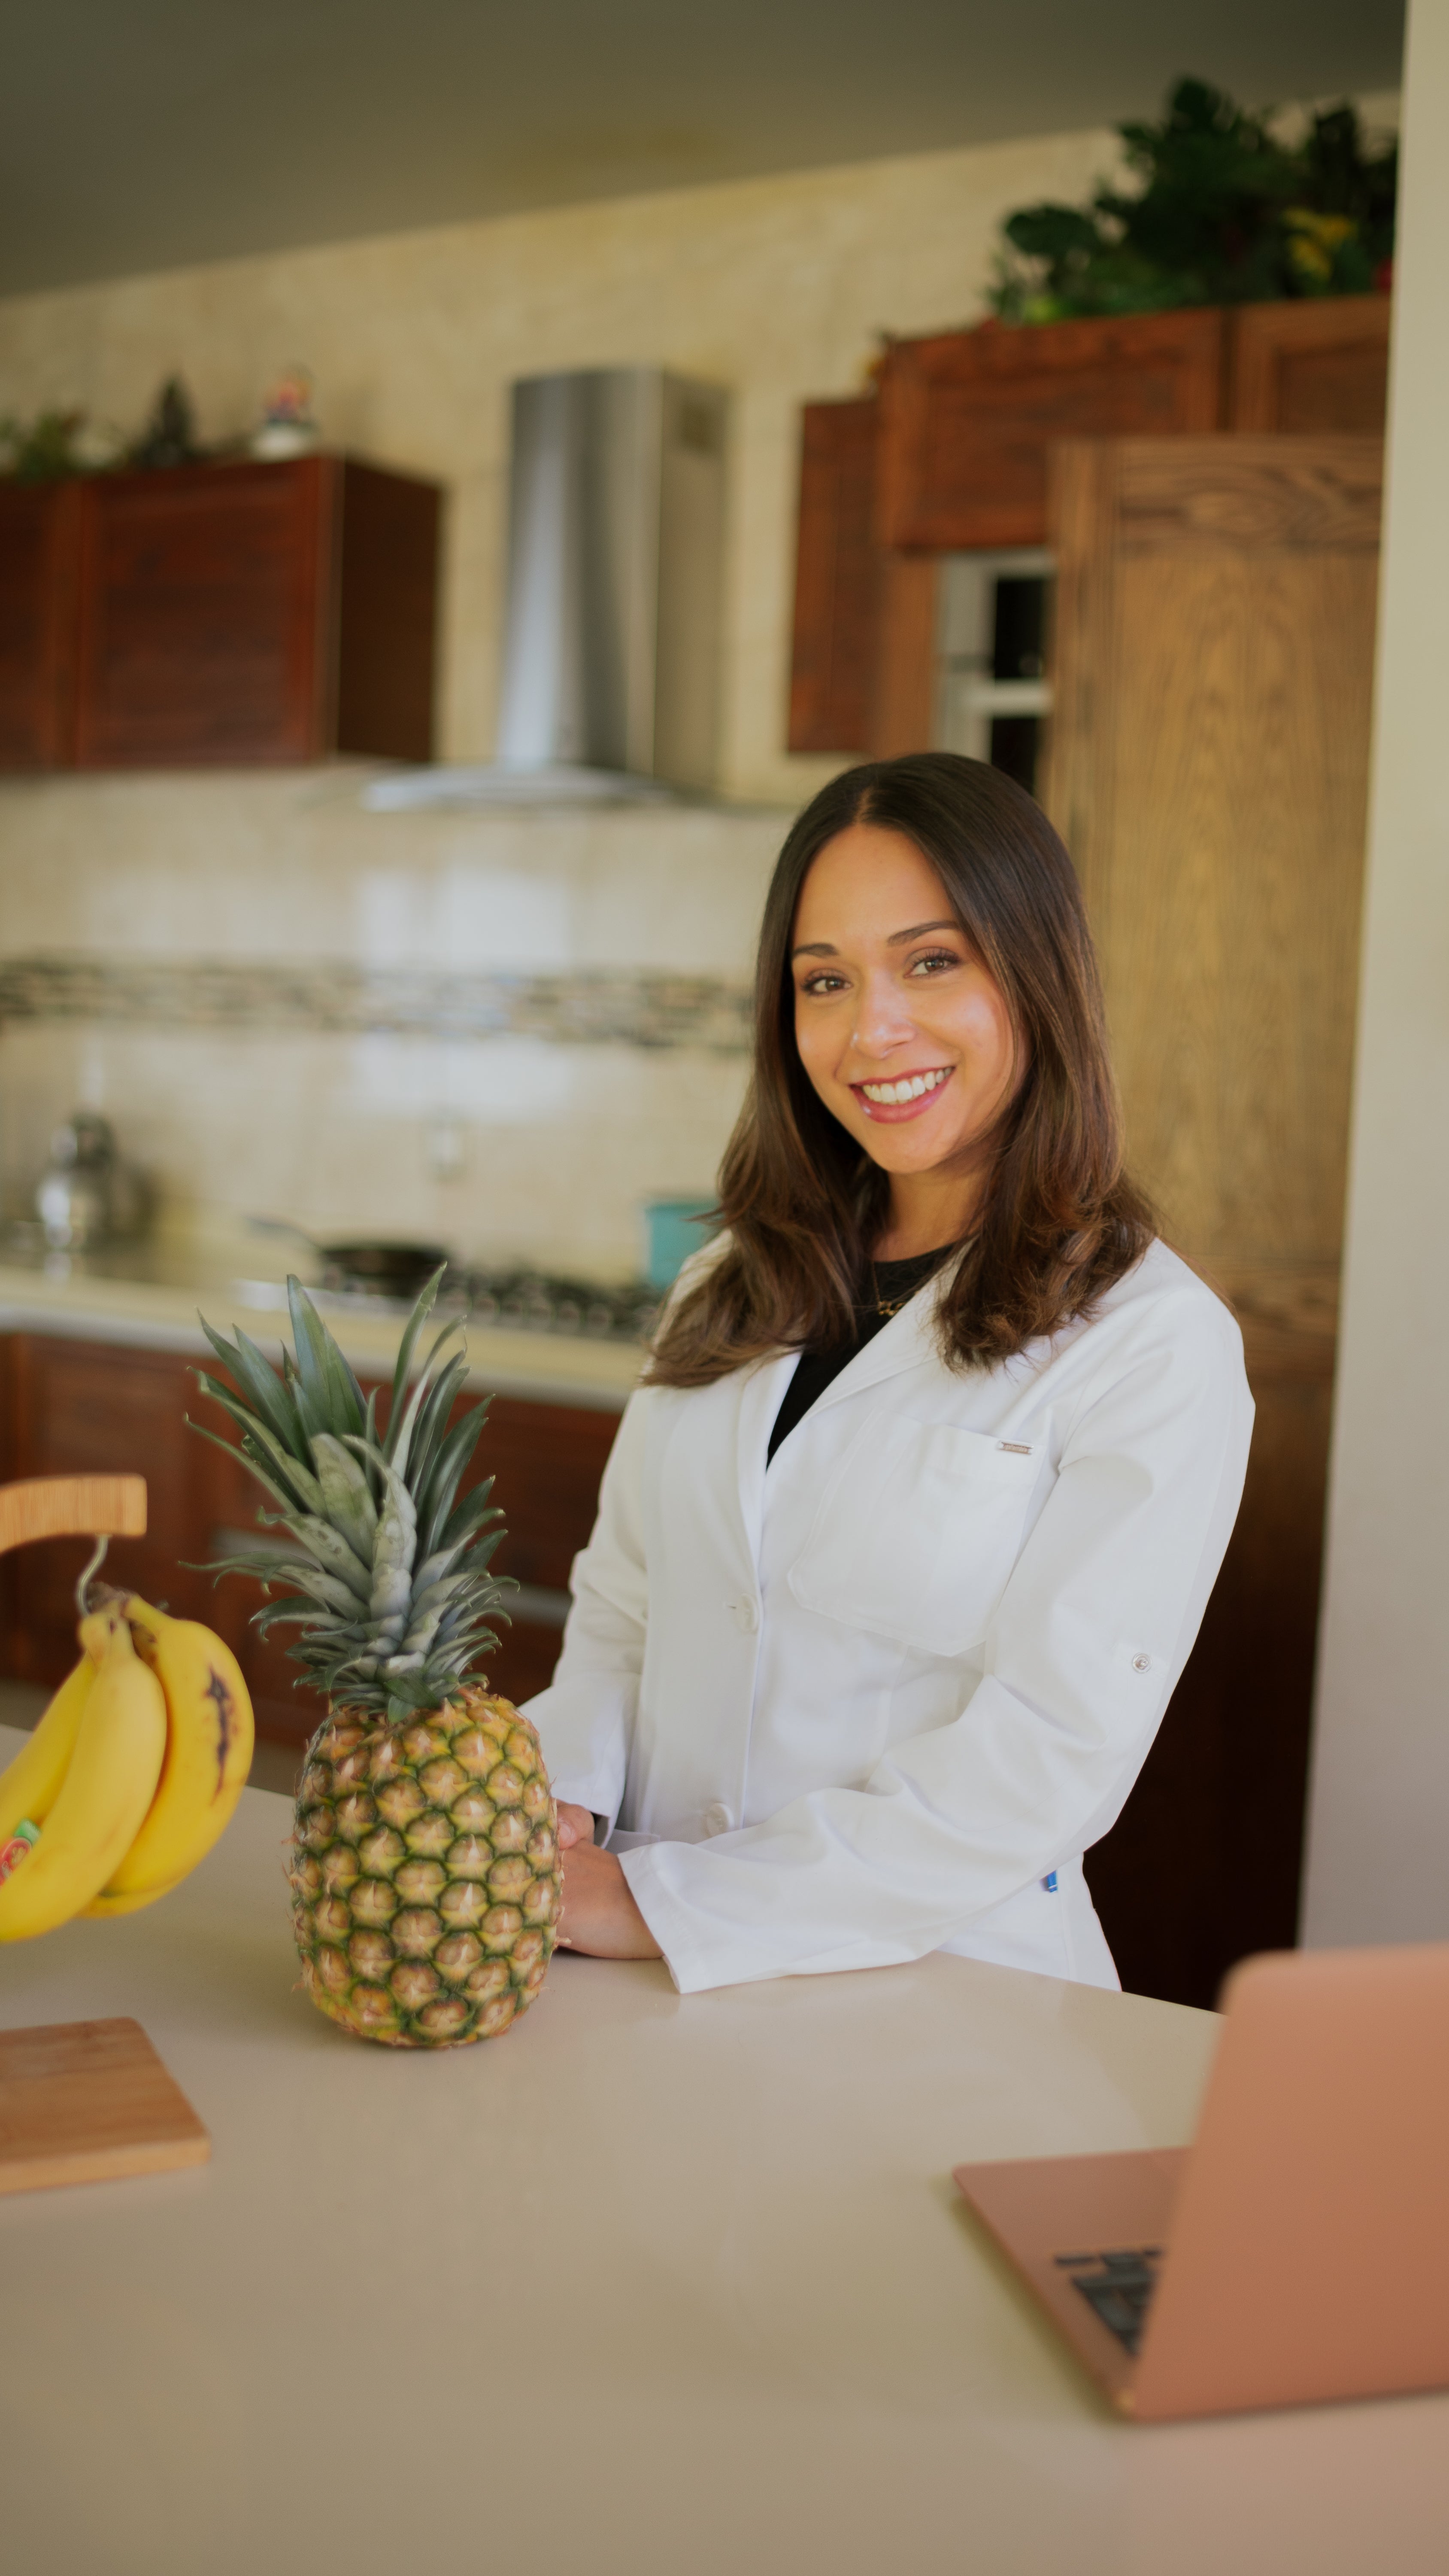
[
  {"x": 672, "y": 2286},
  {"x": 156, "y": 1307}
]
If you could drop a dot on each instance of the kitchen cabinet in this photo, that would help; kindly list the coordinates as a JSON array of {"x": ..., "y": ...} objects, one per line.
[
  {"x": 39, "y": 597},
  {"x": 837, "y": 571},
  {"x": 71, "y": 1407},
  {"x": 1214, "y": 799},
  {"x": 952, "y": 456},
  {"x": 967, "y": 417},
  {"x": 224, "y": 615},
  {"x": 1307, "y": 367}
]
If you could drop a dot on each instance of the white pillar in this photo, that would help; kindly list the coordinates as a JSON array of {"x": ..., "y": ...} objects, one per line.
[{"x": 1378, "y": 1851}]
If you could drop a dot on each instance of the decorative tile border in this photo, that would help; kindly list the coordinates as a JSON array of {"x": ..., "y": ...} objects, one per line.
[{"x": 589, "y": 1009}]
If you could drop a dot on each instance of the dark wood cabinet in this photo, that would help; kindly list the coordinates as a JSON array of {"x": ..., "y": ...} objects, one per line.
[
  {"x": 967, "y": 418},
  {"x": 1311, "y": 368},
  {"x": 952, "y": 455},
  {"x": 204, "y": 616},
  {"x": 837, "y": 578},
  {"x": 39, "y": 595},
  {"x": 219, "y": 615},
  {"x": 75, "y": 1406}
]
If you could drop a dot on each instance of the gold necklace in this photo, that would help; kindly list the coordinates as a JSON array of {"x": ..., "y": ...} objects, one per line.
[{"x": 888, "y": 1306}]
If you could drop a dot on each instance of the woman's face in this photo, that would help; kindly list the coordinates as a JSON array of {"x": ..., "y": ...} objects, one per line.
[{"x": 906, "y": 1038}]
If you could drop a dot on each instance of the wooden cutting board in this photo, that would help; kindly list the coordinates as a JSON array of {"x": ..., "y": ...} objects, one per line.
[{"x": 88, "y": 2101}]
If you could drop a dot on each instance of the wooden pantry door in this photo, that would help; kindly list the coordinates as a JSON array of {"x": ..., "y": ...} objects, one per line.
[{"x": 1208, "y": 766}]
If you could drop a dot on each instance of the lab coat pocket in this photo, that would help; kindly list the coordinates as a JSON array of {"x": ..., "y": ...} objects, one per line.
[{"x": 918, "y": 1533}]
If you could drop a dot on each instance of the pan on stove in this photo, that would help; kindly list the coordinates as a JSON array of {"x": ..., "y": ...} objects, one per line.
[
  {"x": 373, "y": 1265},
  {"x": 382, "y": 1269}
]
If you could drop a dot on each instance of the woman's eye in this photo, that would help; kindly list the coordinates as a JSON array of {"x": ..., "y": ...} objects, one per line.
[
  {"x": 823, "y": 983},
  {"x": 933, "y": 961}
]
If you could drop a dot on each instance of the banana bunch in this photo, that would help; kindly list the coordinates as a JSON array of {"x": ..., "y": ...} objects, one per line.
[{"x": 131, "y": 1774}]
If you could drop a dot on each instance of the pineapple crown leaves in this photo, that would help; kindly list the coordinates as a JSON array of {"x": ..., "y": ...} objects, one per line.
[{"x": 383, "y": 1570}]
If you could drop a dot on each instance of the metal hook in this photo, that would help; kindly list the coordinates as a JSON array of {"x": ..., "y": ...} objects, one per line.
[{"x": 90, "y": 1571}]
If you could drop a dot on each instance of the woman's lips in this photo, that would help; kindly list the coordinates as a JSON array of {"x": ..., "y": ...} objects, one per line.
[{"x": 892, "y": 1112}]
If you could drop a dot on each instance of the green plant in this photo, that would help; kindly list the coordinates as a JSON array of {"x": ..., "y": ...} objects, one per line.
[{"x": 1226, "y": 213}]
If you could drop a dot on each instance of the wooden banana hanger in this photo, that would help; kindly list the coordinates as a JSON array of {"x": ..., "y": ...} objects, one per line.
[{"x": 72, "y": 1507}]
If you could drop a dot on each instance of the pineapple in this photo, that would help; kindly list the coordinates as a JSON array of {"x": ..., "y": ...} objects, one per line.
[{"x": 424, "y": 1874}]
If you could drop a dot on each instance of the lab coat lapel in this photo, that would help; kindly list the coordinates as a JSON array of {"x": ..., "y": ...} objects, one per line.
[
  {"x": 904, "y": 1343},
  {"x": 761, "y": 1397}
]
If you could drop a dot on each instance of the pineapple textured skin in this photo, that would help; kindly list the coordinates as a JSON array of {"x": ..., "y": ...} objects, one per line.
[{"x": 425, "y": 1879}]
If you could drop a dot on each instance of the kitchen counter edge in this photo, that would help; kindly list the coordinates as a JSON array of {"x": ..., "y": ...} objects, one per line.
[{"x": 537, "y": 1367}]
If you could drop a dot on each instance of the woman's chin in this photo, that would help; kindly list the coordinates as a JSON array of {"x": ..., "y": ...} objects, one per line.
[{"x": 908, "y": 1149}]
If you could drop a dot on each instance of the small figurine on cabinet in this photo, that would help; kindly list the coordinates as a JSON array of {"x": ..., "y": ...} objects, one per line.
[{"x": 288, "y": 426}]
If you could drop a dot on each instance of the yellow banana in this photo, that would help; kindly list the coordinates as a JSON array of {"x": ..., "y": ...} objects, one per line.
[
  {"x": 209, "y": 1735},
  {"x": 106, "y": 1791},
  {"x": 31, "y": 1785},
  {"x": 106, "y": 1903}
]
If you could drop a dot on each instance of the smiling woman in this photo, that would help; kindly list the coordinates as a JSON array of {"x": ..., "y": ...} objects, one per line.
[
  {"x": 924, "y": 924},
  {"x": 903, "y": 1545}
]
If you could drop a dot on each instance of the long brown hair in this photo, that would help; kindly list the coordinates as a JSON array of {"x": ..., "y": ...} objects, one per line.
[{"x": 1058, "y": 1221}]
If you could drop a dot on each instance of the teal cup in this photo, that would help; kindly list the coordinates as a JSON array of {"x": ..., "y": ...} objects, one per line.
[{"x": 671, "y": 1233}]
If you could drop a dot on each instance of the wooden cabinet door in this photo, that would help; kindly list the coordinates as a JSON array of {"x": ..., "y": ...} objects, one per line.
[
  {"x": 206, "y": 616},
  {"x": 968, "y": 418},
  {"x": 39, "y": 568},
  {"x": 1310, "y": 367},
  {"x": 1208, "y": 770},
  {"x": 837, "y": 579},
  {"x": 76, "y": 1408},
  {"x": 386, "y": 613}
]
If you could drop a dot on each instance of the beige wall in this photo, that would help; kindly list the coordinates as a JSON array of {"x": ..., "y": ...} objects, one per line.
[
  {"x": 775, "y": 287},
  {"x": 1378, "y": 1866}
]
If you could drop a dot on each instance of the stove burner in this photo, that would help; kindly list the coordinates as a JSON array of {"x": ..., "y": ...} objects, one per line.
[{"x": 527, "y": 1301}]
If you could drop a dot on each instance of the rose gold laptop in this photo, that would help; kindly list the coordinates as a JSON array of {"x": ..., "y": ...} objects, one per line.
[{"x": 1299, "y": 2249}]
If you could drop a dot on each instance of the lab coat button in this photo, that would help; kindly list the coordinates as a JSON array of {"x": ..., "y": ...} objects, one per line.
[
  {"x": 1142, "y": 1663},
  {"x": 746, "y": 1615},
  {"x": 717, "y": 1818}
]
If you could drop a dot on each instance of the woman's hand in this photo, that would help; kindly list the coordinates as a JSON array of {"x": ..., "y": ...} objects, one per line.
[{"x": 599, "y": 1912}]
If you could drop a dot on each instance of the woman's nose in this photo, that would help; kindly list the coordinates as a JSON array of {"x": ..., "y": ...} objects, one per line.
[{"x": 882, "y": 1020}]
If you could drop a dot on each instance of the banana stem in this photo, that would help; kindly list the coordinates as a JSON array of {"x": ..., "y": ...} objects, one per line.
[{"x": 88, "y": 1574}]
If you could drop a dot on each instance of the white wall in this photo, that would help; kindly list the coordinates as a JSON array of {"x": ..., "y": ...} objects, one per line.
[{"x": 1378, "y": 1866}]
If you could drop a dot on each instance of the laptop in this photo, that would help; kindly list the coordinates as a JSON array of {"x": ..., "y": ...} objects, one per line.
[{"x": 1298, "y": 2250}]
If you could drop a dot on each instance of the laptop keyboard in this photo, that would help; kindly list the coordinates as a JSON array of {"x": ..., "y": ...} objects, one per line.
[{"x": 1118, "y": 2285}]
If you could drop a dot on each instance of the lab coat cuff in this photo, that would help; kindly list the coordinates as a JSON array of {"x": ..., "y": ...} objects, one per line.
[
  {"x": 694, "y": 1965},
  {"x": 701, "y": 1957}
]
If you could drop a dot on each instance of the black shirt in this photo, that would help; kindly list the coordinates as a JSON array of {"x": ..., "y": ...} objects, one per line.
[{"x": 894, "y": 1283}]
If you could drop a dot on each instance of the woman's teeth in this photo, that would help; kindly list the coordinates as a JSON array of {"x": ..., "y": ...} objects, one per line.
[{"x": 911, "y": 1087}]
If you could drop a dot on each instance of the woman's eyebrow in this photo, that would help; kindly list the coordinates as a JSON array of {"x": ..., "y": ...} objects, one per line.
[{"x": 898, "y": 938}]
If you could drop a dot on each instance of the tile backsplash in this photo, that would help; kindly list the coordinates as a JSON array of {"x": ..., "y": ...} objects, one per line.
[{"x": 504, "y": 1030}]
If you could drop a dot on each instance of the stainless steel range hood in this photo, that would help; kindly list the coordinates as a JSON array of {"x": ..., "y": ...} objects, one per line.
[{"x": 611, "y": 635}]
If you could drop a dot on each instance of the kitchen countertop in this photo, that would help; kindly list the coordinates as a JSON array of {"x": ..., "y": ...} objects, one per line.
[
  {"x": 150, "y": 1300},
  {"x": 656, "y": 2284}
]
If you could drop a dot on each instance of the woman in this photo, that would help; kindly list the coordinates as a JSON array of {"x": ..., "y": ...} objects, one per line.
[{"x": 904, "y": 1542}]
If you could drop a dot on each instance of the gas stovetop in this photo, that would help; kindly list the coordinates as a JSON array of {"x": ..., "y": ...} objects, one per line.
[{"x": 522, "y": 1301}]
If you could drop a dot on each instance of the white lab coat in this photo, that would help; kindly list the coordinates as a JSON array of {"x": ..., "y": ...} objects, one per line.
[{"x": 869, "y": 1703}]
